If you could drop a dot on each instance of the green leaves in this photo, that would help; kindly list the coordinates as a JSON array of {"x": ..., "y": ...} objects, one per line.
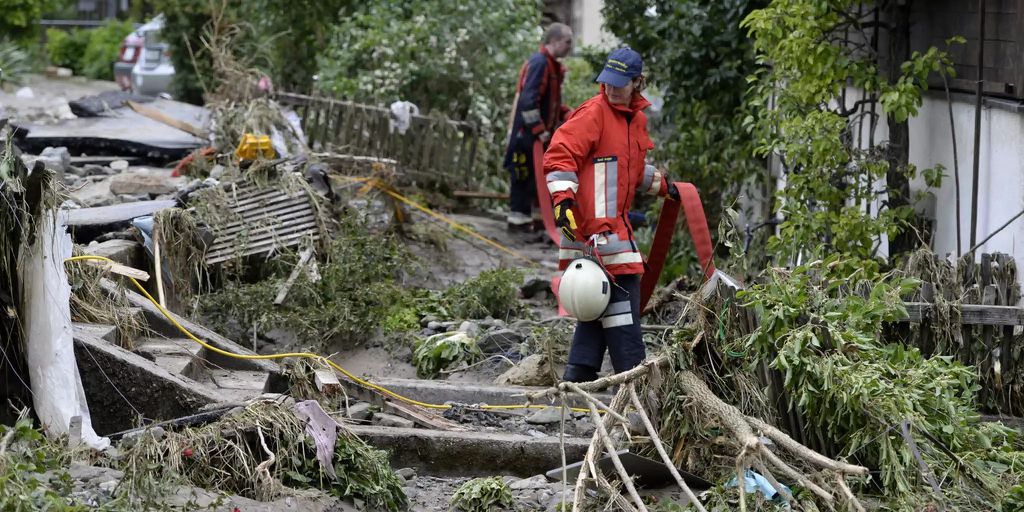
[
  {"x": 483, "y": 495},
  {"x": 442, "y": 351}
]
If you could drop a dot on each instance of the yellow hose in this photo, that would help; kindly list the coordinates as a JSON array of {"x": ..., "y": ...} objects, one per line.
[{"x": 308, "y": 355}]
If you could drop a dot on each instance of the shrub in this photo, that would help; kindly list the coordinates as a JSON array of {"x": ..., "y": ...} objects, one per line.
[
  {"x": 65, "y": 48},
  {"x": 443, "y": 351},
  {"x": 492, "y": 293},
  {"x": 14, "y": 62},
  {"x": 102, "y": 48}
]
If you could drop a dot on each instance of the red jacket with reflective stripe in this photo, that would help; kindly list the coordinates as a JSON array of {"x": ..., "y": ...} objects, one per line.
[{"x": 598, "y": 159}]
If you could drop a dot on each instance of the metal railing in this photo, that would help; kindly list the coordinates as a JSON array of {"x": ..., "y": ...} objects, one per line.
[{"x": 433, "y": 150}]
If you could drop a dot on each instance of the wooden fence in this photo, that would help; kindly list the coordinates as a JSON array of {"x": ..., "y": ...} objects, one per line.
[{"x": 433, "y": 151}]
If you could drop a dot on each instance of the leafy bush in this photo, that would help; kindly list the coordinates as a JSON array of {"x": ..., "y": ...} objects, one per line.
[
  {"x": 102, "y": 49},
  {"x": 460, "y": 59},
  {"x": 14, "y": 62},
  {"x": 88, "y": 52},
  {"x": 355, "y": 293},
  {"x": 443, "y": 351},
  {"x": 483, "y": 495},
  {"x": 65, "y": 48},
  {"x": 20, "y": 19},
  {"x": 493, "y": 293}
]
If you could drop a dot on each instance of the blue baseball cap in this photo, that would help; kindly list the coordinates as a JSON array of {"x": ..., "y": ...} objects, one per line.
[{"x": 623, "y": 65}]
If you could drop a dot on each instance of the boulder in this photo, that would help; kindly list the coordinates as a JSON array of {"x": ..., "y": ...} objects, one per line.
[
  {"x": 95, "y": 193},
  {"x": 499, "y": 341},
  {"x": 155, "y": 182},
  {"x": 57, "y": 160},
  {"x": 531, "y": 371},
  {"x": 119, "y": 165}
]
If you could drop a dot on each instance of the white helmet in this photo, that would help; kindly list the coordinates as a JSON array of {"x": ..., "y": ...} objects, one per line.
[{"x": 584, "y": 290}]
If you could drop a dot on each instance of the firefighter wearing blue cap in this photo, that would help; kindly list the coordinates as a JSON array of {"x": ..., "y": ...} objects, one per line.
[
  {"x": 537, "y": 112},
  {"x": 594, "y": 167}
]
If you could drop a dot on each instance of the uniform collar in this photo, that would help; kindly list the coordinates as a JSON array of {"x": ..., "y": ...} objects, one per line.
[{"x": 637, "y": 104}]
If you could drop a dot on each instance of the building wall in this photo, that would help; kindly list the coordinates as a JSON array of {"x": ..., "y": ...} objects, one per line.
[
  {"x": 588, "y": 24},
  {"x": 1001, "y": 171}
]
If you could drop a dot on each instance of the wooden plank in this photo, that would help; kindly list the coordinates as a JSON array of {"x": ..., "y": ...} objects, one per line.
[
  {"x": 423, "y": 417},
  {"x": 971, "y": 314},
  {"x": 480, "y": 194},
  {"x": 119, "y": 269},
  {"x": 278, "y": 244},
  {"x": 161, "y": 117},
  {"x": 287, "y": 286},
  {"x": 103, "y": 215},
  {"x": 264, "y": 243}
]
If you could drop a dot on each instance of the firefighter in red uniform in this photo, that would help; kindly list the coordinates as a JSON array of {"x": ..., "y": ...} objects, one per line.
[
  {"x": 594, "y": 167},
  {"x": 537, "y": 112}
]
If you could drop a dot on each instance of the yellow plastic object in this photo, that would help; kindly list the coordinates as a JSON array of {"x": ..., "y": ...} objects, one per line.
[{"x": 255, "y": 147}]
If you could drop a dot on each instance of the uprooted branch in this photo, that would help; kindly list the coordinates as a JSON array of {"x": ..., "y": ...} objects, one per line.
[{"x": 746, "y": 433}]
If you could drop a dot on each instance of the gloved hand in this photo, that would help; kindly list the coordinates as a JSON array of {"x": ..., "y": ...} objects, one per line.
[
  {"x": 673, "y": 192},
  {"x": 565, "y": 220}
]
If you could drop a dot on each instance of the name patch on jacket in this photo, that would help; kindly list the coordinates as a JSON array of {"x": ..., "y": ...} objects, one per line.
[{"x": 606, "y": 186}]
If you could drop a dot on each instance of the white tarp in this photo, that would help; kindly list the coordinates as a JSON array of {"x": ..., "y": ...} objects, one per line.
[{"x": 57, "y": 392}]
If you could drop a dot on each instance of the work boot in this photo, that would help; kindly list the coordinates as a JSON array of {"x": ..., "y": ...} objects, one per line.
[
  {"x": 518, "y": 221},
  {"x": 579, "y": 373}
]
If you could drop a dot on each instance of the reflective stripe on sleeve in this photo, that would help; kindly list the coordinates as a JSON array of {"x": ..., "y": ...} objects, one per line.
[
  {"x": 617, "y": 321},
  {"x": 531, "y": 116},
  {"x": 558, "y": 186}
]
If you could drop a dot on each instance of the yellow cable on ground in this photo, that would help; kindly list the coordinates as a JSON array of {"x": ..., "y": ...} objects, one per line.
[
  {"x": 383, "y": 187},
  {"x": 308, "y": 355}
]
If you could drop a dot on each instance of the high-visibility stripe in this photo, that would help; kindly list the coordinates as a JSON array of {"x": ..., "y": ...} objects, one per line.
[
  {"x": 569, "y": 254},
  {"x": 616, "y": 308},
  {"x": 622, "y": 258},
  {"x": 531, "y": 116},
  {"x": 562, "y": 176},
  {"x": 612, "y": 182},
  {"x": 600, "y": 191},
  {"x": 609, "y": 322},
  {"x": 648, "y": 177},
  {"x": 558, "y": 186}
]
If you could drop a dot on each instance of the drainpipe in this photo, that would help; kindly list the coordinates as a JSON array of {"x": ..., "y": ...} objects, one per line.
[{"x": 977, "y": 121}]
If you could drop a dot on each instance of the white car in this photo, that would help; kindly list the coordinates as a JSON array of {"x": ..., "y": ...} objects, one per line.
[{"x": 153, "y": 72}]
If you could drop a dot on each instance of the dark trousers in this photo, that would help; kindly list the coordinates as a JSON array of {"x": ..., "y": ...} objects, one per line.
[
  {"x": 618, "y": 331},
  {"x": 522, "y": 190}
]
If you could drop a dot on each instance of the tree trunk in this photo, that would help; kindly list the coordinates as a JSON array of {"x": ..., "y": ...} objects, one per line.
[{"x": 898, "y": 184}]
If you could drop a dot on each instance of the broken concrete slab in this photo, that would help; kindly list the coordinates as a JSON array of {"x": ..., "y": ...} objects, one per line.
[
  {"x": 159, "y": 323},
  {"x": 105, "y": 102},
  {"x": 124, "y": 385},
  {"x": 439, "y": 392},
  {"x": 125, "y": 252},
  {"x": 439, "y": 452},
  {"x": 93, "y": 192},
  {"x": 499, "y": 341},
  {"x": 116, "y": 214},
  {"x": 129, "y": 133},
  {"x": 144, "y": 181}
]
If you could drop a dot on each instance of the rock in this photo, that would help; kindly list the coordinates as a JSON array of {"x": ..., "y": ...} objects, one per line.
[
  {"x": 407, "y": 474},
  {"x": 534, "y": 370},
  {"x": 426, "y": 332},
  {"x": 435, "y": 326},
  {"x": 534, "y": 286},
  {"x": 93, "y": 474},
  {"x": 282, "y": 337},
  {"x": 547, "y": 416},
  {"x": 499, "y": 341},
  {"x": 217, "y": 171},
  {"x": 470, "y": 328},
  {"x": 57, "y": 160},
  {"x": 125, "y": 252},
  {"x": 94, "y": 193},
  {"x": 143, "y": 183},
  {"x": 108, "y": 486},
  {"x": 119, "y": 165},
  {"x": 429, "y": 319},
  {"x": 359, "y": 411},
  {"x": 93, "y": 170},
  {"x": 25, "y": 93},
  {"x": 390, "y": 420},
  {"x": 534, "y": 482},
  {"x": 535, "y": 433}
]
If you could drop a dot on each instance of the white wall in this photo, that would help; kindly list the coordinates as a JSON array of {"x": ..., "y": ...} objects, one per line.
[
  {"x": 588, "y": 24},
  {"x": 1001, "y": 173}
]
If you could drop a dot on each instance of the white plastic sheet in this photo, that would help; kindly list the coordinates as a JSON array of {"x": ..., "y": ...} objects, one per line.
[
  {"x": 57, "y": 392},
  {"x": 401, "y": 116}
]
